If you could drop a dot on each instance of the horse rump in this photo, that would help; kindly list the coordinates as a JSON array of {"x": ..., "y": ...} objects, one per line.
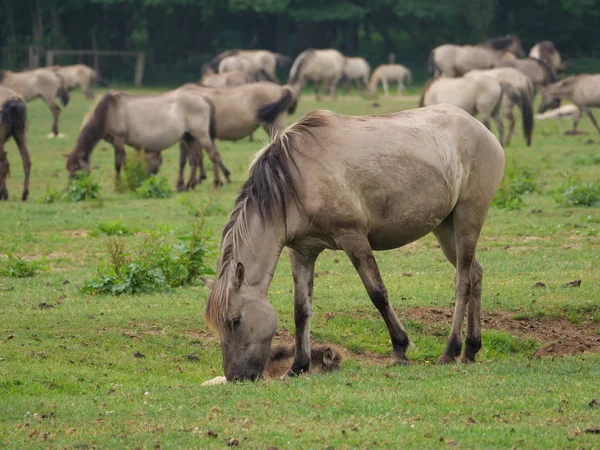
[
  {"x": 14, "y": 114},
  {"x": 268, "y": 113}
]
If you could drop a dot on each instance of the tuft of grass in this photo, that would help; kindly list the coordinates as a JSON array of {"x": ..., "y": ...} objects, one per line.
[
  {"x": 573, "y": 192},
  {"x": 52, "y": 196},
  {"x": 155, "y": 186},
  {"x": 135, "y": 173},
  {"x": 515, "y": 183},
  {"x": 498, "y": 344},
  {"x": 17, "y": 267},
  {"x": 82, "y": 188},
  {"x": 154, "y": 266},
  {"x": 112, "y": 228}
]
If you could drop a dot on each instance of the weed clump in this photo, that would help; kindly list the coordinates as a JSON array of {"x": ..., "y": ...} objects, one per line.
[
  {"x": 575, "y": 193},
  {"x": 516, "y": 183},
  {"x": 81, "y": 188},
  {"x": 155, "y": 186},
  {"x": 135, "y": 173},
  {"x": 17, "y": 267},
  {"x": 112, "y": 228},
  {"x": 155, "y": 265}
]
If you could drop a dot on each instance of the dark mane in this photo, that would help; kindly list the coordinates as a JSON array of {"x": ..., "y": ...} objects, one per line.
[
  {"x": 499, "y": 43},
  {"x": 213, "y": 64},
  {"x": 269, "y": 190},
  {"x": 546, "y": 68}
]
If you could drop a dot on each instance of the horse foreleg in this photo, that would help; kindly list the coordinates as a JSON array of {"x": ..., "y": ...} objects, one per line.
[
  {"x": 183, "y": 151},
  {"x": 400, "y": 87},
  {"x": 316, "y": 83},
  {"x": 588, "y": 111},
  {"x": 576, "y": 119},
  {"x": 500, "y": 125},
  {"x": 303, "y": 269},
  {"x": 21, "y": 141},
  {"x": 55, "y": 110},
  {"x": 215, "y": 158},
  {"x": 359, "y": 251},
  {"x": 386, "y": 91},
  {"x": 120, "y": 156},
  {"x": 4, "y": 172},
  {"x": 508, "y": 112},
  {"x": 194, "y": 155}
]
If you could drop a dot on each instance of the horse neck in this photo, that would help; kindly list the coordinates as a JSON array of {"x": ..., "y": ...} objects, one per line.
[
  {"x": 375, "y": 78},
  {"x": 565, "y": 91}
]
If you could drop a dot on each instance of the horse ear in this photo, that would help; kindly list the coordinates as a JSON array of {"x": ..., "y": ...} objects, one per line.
[
  {"x": 328, "y": 357},
  {"x": 239, "y": 275},
  {"x": 208, "y": 283}
]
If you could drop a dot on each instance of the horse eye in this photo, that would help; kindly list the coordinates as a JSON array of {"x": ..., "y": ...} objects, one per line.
[{"x": 235, "y": 322}]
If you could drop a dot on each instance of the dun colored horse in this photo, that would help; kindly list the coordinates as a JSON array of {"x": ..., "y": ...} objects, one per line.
[
  {"x": 480, "y": 95},
  {"x": 546, "y": 51},
  {"x": 537, "y": 70},
  {"x": 583, "y": 90},
  {"x": 356, "y": 184},
  {"x": 13, "y": 122},
  {"x": 39, "y": 83},
  {"x": 356, "y": 70},
  {"x": 522, "y": 95},
  {"x": 326, "y": 66},
  {"x": 82, "y": 76},
  {"x": 451, "y": 60},
  {"x": 262, "y": 62},
  {"x": 390, "y": 72},
  {"x": 226, "y": 79},
  {"x": 151, "y": 122}
]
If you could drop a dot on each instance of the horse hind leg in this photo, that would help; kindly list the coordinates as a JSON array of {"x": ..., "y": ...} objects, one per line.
[
  {"x": 4, "y": 172},
  {"x": 21, "y": 141},
  {"x": 359, "y": 251},
  {"x": 588, "y": 111},
  {"x": 208, "y": 144},
  {"x": 508, "y": 112}
]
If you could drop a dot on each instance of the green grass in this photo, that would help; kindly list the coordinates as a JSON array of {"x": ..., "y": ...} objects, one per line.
[{"x": 70, "y": 377}]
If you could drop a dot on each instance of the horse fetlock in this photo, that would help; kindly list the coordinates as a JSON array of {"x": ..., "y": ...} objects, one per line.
[
  {"x": 298, "y": 368},
  {"x": 25, "y": 195},
  {"x": 3, "y": 193},
  {"x": 472, "y": 347}
]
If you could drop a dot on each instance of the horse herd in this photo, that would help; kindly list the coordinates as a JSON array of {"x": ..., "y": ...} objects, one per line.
[{"x": 356, "y": 184}]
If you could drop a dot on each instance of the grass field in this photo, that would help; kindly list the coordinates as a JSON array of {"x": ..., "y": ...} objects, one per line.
[{"x": 81, "y": 371}]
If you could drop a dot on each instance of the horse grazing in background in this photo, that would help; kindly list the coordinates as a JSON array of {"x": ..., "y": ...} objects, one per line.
[
  {"x": 357, "y": 71},
  {"x": 236, "y": 63},
  {"x": 356, "y": 184},
  {"x": 262, "y": 62},
  {"x": 546, "y": 51},
  {"x": 41, "y": 83},
  {"x": 480, "y": 95},
  {"x": 13, "y": 122},
  {"x": 82, "y": 76},
  {"x": 227, "y": 79},
  {"x": 583, "y": 90},
  {"x": 149, "y": 122},
  {"x": 451, "y": 60},
  {"x": 521, "y": 85},
  {"x": 390, "y": 72},
  {"x": 326, "y": 66},
  {"x": 537, "y": 70}
]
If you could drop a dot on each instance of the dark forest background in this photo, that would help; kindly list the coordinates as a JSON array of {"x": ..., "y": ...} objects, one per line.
[{"x": 179, "y": 36}]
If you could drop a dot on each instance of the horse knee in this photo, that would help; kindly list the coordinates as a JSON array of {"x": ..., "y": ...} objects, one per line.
[{"x": 379, "y": 297}]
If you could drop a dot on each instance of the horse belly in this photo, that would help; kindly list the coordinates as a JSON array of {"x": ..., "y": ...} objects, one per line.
[{"x": 154, "y": 138}]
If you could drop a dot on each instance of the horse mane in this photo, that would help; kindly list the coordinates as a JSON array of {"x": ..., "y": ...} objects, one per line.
[
  {"x": 499, "y": 43},
  {"x": 296, "y": 69},
  {"x": 425, "y": 89},
  {"x": 94, "y": 126},
  {"x": 269, "y": 190},
  {"x": 546, "y": 67},
  {"x": 214, "y": 63}
]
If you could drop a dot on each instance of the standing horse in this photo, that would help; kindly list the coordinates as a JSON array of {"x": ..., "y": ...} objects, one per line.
[
  {"x": 390, "y": 72},
  {"x": 318, "y": 66},
  {"x": 227, "y": 79},
  {"x": 41, "y": 83},
  {"x": 262, "y": 61},
  {"x": 583, "y": 90},
  {"x": 356, "y": 184},
  {"x": 537, "y": 70},
  {"x": 356, "y": 70},
  {"x": 451, "y": 60},
  {"x": 523, "y": 87},
  {"x": 546, "y": 51},
  {"x": 151, "y": 122},
  {"x": 82, "y": 76},
  {"x": 236, "y": 63},
  {"x": 13, "y": 122},
  {"x": 476, "y": 95}
]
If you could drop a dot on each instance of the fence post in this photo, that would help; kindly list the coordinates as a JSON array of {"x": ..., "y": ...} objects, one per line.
[
  {"x": 139, "y": 69},
  {"x": 392, "y": 58},
  {"x": 34, "y": 57}
]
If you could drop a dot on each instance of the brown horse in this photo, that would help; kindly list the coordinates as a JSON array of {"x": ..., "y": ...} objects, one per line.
[
  {"x": 41, "y": 83},
  {"x": 82, "y": 76},
  {"x": 583, "y": 90},
  {"x": 261, "y": 61},
  {"x": 451, "y": 60},
  {"x": 355, "y": 184},
  {"x": 546, "y": 51},
  {"x": 326, "y": 66},
  {"x": 13, "y": 122},
  {"x": 151, "y": 122}
]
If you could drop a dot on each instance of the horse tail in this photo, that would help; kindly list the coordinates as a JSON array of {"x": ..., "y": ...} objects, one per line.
[
  {"x": 523, "y": 101},
  {"x": 213, "y": 119},
  {"x": 63, "y": 91},
  {"x": 13, "y": 113},
  {"x": 296, "y": 69},
  {"x": 282, "y": 60},
  {"x": 425, "y": 89},
  {"x": 213, "y": 64},
  {"x": 268, "y": 113},
  {"x": 433, "y": 68}
]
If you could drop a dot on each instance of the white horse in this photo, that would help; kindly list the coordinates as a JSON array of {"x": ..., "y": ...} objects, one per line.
[
  {"x": 326, "y": 66},
  {"x": 357, "y": 70},
  {"x": 390, "y": 72}
]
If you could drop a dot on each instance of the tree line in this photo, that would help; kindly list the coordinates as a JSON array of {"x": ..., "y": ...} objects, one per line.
[{"x": 179, "y": 36}]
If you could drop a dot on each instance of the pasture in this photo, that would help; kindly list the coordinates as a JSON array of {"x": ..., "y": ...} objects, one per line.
[{"x": 83, "y": 371}]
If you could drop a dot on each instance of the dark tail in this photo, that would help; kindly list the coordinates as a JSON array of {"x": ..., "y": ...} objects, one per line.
[
  {"x": 434, "y": 70},
  {"x": 268, "y": 113},
  {"x": 425, "y": 89},
  {"x": 524, "y": 103},
  {"x": 213, "y": 119},
  {"x": 63, "y": 94},
  {"x": 14, "y": 114}
]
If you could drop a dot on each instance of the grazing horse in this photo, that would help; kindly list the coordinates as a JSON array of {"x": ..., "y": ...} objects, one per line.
[
  {"x": 451, "y": 60},
  {"x": 241, "y": 110},
  {"x": 41, "y": 83},
  {"x": 13, "y": 122},
  {"x": 236, "y": 63},
  {"x": 476, "y": 95},
  {"x": 546, "y": 51},
  {"x": 523, "y": 86},
  {"x": 583, "y": 90},
  {"x": 227, "y": 79},
  {"x": 151, "y": 122},
  {"x": 82, "y": 76},
  {"x": 262, "y": 61},
  {"x": 537, "y": 70},
  {"x": 390, "y": 72},
  {"x": 356, "y": 184},
  {"x": 356, "y": 70},
  {"x": 318, "y": 66}
]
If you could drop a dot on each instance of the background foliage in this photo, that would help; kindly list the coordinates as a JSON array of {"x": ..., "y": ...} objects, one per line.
[{"x": 180, "y": 35}]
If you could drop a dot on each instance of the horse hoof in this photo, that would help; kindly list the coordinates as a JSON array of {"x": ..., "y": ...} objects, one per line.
[
  {"x": 400, "y": 362},
  {"x": 50, "y": 136},
  {"x": 445, "y": 359},
  {"x": 25, "y": 196},
  {"x": 467, "y": 360}
]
